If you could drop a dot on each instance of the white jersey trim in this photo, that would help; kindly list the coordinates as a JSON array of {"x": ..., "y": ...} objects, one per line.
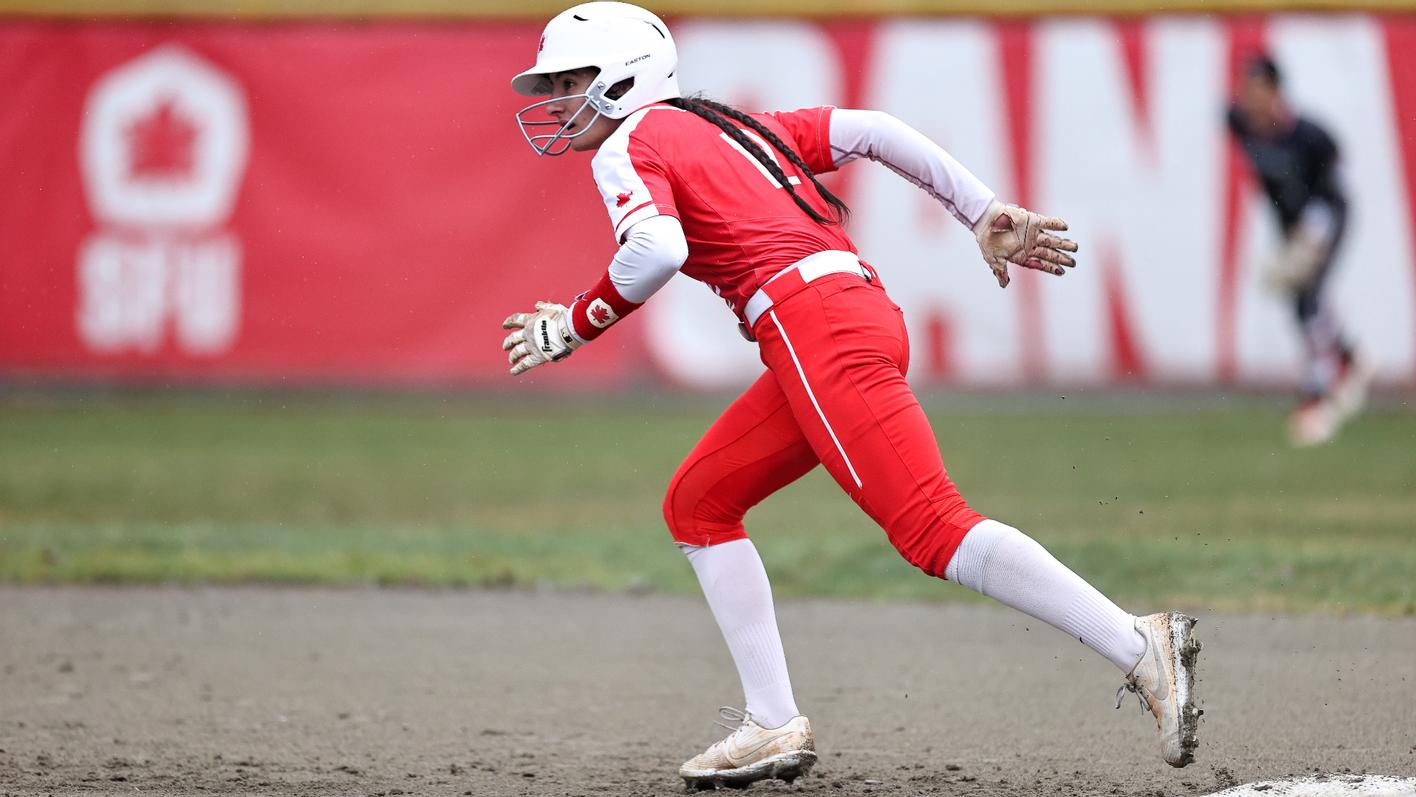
[
  {"x": 626, "y": 196},
  {"x": 811, "y": 394}
]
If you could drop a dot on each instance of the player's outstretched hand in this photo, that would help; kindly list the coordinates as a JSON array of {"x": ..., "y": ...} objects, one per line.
[
  {"x": 539, "y": 337},
  {"x": 1010, "y": 235}
]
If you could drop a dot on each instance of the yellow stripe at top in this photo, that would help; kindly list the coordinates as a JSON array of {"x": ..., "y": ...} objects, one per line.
[{"x": 539, "y": 10}]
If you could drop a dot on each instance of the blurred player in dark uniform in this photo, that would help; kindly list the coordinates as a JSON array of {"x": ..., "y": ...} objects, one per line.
[{"x": 1296, "y": 162}]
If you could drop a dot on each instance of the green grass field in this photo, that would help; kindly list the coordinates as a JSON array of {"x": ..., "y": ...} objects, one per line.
[{"x": 1156, "y": 502}]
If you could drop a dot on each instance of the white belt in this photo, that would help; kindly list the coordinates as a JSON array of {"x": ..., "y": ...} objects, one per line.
[{"x": 808, "y": 269}]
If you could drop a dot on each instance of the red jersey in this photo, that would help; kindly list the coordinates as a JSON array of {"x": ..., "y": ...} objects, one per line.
[{"x": 742, "y": 227}]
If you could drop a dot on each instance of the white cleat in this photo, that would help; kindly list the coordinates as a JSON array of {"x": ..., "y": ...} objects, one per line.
[
  {"x": 752, "y": 753},
  {"x": 1314, "y": 423},
  {"x": 1349, "y": 392},
  {"x": 1164, "y": 680}
]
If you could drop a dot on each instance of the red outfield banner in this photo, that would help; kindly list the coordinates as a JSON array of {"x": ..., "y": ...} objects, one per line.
[{"x": 314, "y": 203}]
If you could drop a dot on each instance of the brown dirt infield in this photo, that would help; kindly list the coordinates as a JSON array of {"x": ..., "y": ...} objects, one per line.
[{"x": 388, "y": 692}]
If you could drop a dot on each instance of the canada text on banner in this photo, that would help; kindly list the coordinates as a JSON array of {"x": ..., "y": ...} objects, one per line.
[{"x": 315, "y": 203}]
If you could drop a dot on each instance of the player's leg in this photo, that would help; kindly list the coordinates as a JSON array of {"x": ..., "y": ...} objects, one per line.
[
  {"x": 1323, "y": 346},
  {"x": 1316, "y": 418},
  {"x": 1156, "y": 652},
  {"x": 840, "y": 352},
  {"x": 1335, "y": 381},
  {"x": 1003, "y": 563},
  {"x": 845, "y": 380},
  {"x": 751, "y": 451}
]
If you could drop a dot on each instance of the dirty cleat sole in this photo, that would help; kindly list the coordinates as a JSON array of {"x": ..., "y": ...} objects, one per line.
[
  {"x": 784, "y": 766},
  {"x": 1164, "y": 680},
  {"x": 1182, "y": 638}
]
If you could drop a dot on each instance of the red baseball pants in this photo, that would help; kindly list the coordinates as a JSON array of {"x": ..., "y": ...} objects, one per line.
[{"x": 834, "y": 393}]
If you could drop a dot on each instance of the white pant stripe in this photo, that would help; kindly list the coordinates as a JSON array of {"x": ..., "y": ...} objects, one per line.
[{"x": 810, "y": 394}]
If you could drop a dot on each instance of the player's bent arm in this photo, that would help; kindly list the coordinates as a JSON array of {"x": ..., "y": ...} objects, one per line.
[
  {"x": 909, "y": 153},
  {"x": 1006, "y": 234},
  {"x": 652, "y": 252}
]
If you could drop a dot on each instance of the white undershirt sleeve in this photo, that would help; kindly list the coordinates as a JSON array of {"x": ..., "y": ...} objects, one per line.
[
  {"x": 909, "y": 153},
  {"x": 653, "y": 251}
]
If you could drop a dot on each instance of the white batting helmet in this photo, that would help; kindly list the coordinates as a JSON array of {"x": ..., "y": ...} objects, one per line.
[{"x": 621, "y": 41}]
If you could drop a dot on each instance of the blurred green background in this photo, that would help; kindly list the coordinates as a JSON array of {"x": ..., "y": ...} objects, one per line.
[{"x": 1159, "y": 501}]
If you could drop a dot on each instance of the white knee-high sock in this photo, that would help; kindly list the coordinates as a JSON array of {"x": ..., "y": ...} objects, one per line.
[
  {"x": 1009, "y": 566},
  {"x": 736, "y": 586}
]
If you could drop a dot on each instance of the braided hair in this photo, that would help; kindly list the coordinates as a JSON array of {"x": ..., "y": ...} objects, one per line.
[{"x": 719, "y": 114}]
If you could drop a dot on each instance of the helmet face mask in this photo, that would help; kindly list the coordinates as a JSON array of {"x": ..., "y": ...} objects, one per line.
[
  {"x": 556, "y": 142},
  {"x": 618, "y": 40}
]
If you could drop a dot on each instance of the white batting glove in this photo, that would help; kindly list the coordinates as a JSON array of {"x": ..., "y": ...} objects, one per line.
[
  {"x": 1292, "y": 269},
  {"x": 1008, "y": 234},
  {"x": 539, "y": 337},
  {"x": 1304, "y": 249}
]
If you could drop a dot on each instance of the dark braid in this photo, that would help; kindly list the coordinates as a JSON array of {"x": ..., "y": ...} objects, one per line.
[{"x": 718, "y": 114}]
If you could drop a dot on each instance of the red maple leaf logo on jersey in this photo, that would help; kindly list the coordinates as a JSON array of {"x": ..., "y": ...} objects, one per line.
[
  {"x": 161, "y": 144},
  {"x": 623, "y": 199}
]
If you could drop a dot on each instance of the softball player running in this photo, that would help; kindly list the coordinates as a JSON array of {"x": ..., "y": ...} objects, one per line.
[
  {"x": 1296, "y": 161},
  {"x": 732, "y": 199}
]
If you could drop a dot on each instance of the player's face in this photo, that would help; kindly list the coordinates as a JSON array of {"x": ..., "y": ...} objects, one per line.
[
  {"x": 564, "y": 87},
  {"x": 1258, "y": 101}
]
